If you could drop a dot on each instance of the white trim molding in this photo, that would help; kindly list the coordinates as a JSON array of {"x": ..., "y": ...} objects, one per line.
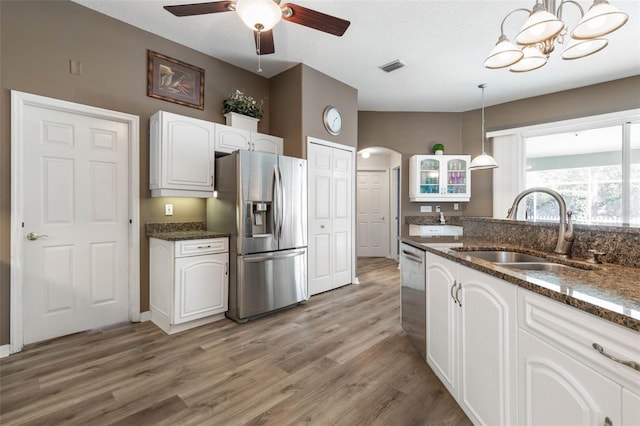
[
  {"x": 18, "y": 102},
  {"x": 5, "y": 351}
]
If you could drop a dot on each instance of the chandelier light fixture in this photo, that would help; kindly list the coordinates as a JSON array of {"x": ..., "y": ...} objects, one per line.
[
  {"x": 484, "y": 160},
  {"x": 543, "y": 30}
]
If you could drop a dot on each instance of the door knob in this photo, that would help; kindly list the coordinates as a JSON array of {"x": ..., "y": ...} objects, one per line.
[
  {"x": 381, "y": 217},
  {"x": 32, "y": 236}
]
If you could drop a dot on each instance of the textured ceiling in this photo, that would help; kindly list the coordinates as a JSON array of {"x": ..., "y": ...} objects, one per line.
[{"x": 443, "y": 44}]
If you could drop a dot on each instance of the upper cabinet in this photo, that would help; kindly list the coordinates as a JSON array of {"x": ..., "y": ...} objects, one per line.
[
  {"x": 182, "y": 153},
  {"x": 439, "y": 178},
  {"x": 229, "y": 139},
  {"x": 182, "y": 156}
]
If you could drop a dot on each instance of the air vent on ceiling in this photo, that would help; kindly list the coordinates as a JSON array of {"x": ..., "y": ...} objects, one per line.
[{"x": 392, "y": 66}]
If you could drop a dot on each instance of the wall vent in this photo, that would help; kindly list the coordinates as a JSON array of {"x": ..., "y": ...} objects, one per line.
[{"x": 392, "y": 66}]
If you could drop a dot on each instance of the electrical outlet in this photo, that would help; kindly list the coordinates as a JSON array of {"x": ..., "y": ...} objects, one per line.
[
  {"x": 456, "y": 206},
  {"x": 437, "y": 208},
  {"x": 168, "y": 209},
  {"x": 425, "y": 209}
]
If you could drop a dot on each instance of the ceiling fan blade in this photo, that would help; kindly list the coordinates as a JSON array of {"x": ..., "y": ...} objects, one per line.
[
  {"x": 200, "y": 8},
  {"x": 266, "y": 42},
  {"x": 314, "y": 19}
]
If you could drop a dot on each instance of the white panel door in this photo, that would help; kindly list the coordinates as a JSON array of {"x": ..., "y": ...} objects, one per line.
[
  {"x": 330, "y": 173},
  {"x": 342, "y": 219},
  {"x": 75, "y": 181},
  {"x": 372, "y": 219}
]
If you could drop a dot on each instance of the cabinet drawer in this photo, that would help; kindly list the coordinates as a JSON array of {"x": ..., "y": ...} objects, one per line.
[
  {"x": 198, "y": 247},
  {"x": 574, "y": 332}
]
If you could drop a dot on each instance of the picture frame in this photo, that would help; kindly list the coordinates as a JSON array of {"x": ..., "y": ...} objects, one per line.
[{"x": 174, "y": 81}]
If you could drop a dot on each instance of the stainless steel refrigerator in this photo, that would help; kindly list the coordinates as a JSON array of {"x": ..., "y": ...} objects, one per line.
[{"x": 262, "y": 202}]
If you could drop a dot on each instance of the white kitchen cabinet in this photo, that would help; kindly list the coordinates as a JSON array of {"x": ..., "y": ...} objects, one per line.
[
  {"x": 267, "y": 143},
  {"x": 229, "y": 139},
  {"x": 471, "y": 339},
  {"x": 430, "y": 230},
  {"x": 439, "y": 178},
  {"x": 189, "y": 282},
  {"x": 563, "y": 379},
  {"x": 182, "y": 156}
]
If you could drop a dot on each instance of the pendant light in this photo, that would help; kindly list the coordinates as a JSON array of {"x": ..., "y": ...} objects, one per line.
[{"x": 484, "y": 160}]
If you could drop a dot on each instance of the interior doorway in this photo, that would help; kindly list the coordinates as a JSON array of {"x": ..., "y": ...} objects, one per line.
[{"x": 378, "y": 203}]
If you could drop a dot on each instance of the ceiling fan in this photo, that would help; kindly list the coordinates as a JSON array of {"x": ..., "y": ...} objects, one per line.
[{"x": 262, "y": 15}]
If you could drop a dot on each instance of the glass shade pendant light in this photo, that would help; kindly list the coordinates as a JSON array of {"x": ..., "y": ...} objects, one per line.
[
  {"x": 259, "y": 15},
  {"x": 503, "y": 54},
  {"x": 540, "y": 26},
  {"x": 484, "y": 160},
  {"x": 533, "y": 59},
  {"x": 580, "y": 48},
  {"x": 600, "y": 19}
]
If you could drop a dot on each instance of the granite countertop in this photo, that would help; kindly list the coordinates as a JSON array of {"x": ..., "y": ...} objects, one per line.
[
  {"x": 609, "y": 291},
  {"x": 180, "y": 231}
]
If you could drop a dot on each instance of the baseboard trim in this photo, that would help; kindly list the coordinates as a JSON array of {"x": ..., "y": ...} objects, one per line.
[
  {"x": 5, "y": 350},
  {"x": 145, "y": 316}
]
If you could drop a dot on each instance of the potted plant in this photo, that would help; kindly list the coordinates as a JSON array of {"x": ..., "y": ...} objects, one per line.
[
  {"x": 242, "y": 111},
  {"x": 438, "y": 149}
]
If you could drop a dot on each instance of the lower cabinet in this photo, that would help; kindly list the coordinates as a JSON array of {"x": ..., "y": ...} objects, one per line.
[
  {"x": 471, "y": 339},
  {"x": 189, "y": 282},
  {"x": 510, "y": 356},
  {"x": 571, "y": 366}
]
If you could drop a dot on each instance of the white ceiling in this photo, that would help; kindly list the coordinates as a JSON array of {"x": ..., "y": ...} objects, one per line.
[{"x": 443, "y": 44}]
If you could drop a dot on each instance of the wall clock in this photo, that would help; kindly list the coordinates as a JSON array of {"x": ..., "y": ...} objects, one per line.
[{"x": 332, "y": 119}]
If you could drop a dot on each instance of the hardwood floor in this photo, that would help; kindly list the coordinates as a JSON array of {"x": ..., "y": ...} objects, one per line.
[{"x": 342, "y": 358}]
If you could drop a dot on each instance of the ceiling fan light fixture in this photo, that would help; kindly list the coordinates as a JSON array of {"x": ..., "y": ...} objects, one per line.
[
  {"x": 580, "y": 48},
  {"x": 532, "y": 60},
  {"x": 600, "y": 19},
  {"x": 540, "y": 26},
  {"x": 260, "y": 15},
  {"x": 503, "y": 54}
]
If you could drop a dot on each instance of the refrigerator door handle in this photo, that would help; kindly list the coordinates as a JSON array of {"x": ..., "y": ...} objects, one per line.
[
  {"x": 282, "y": 202},
  {"x": 256, "y": 259},
  {"x": 276, "y": 207}
]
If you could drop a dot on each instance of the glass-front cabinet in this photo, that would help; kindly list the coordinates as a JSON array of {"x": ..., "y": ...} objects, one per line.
[{"x": 439, "y": 178}]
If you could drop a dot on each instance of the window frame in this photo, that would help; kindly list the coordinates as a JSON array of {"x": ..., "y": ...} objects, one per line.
[{"x": 509, "y": 151}]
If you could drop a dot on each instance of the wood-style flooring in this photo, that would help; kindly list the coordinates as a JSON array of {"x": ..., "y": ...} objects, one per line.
[{"x": 342, "y": 358}]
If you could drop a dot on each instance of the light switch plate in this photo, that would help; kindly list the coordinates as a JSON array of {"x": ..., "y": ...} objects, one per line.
[
  {"x": 456, "y": 206},
  {"x": 437, "y": 208},
  {"x": 425, "y": 209},
  {"x": 168, "y": 209}
]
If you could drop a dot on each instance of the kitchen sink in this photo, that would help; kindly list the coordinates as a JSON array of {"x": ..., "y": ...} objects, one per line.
[
  {"x": 539, "y": 266},
  {"x": 502, "y": 256}
]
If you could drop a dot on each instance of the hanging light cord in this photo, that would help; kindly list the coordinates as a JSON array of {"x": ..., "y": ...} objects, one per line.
[
  {"x": 259, "y": 28},
  {"x": 482, "y": 86}
]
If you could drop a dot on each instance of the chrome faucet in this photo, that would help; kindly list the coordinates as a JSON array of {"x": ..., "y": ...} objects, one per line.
[{"x": 565, "y": 230}]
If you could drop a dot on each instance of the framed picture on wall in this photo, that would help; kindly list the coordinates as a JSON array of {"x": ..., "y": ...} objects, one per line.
[{"x": 174, "y": 81}]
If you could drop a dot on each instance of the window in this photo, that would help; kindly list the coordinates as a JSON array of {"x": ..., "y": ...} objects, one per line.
[{"x": 593, "y": 162}]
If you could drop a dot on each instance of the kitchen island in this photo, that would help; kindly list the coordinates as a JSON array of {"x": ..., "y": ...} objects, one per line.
[{"x": 527, "y": 346}]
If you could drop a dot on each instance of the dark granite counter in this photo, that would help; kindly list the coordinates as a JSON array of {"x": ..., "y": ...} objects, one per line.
[
  {"x": 609, "y": 291},
  {"x": 180, "y": 231}
]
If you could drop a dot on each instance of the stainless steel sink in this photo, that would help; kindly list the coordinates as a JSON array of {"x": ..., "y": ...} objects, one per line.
[
  {"x": 539, "y": 266},
  {"x": 503, "y": 256}
]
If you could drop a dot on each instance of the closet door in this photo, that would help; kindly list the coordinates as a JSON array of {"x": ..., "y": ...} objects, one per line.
[{"x": 330, "y": 217}]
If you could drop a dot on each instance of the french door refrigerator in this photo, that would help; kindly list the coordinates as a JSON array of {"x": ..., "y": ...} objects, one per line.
[{"x": 262, "y": 202}]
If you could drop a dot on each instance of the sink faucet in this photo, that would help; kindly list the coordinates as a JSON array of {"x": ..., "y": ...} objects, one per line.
[{"x": 565, "y": 230}]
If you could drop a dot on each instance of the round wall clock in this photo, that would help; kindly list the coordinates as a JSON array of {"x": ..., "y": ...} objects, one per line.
[{"x": 332, "y": 120}]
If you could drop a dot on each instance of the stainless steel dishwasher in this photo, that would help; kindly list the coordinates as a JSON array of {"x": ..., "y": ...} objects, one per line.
[{"x": 413, "y": 295}]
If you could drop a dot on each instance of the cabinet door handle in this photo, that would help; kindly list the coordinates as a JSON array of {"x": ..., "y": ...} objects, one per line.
[
  {"x": 451, "y": 292},
  {"x": 226, "y": 268},
  {"x": 634, "y": 365},
  {"x": 204, "y": 247},
  {"x": 458, "y": 291}
]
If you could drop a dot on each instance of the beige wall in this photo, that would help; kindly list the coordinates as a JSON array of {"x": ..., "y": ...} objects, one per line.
[
  {"x": 299, "y": 97},
  {"x": 37, "y": 41}
]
